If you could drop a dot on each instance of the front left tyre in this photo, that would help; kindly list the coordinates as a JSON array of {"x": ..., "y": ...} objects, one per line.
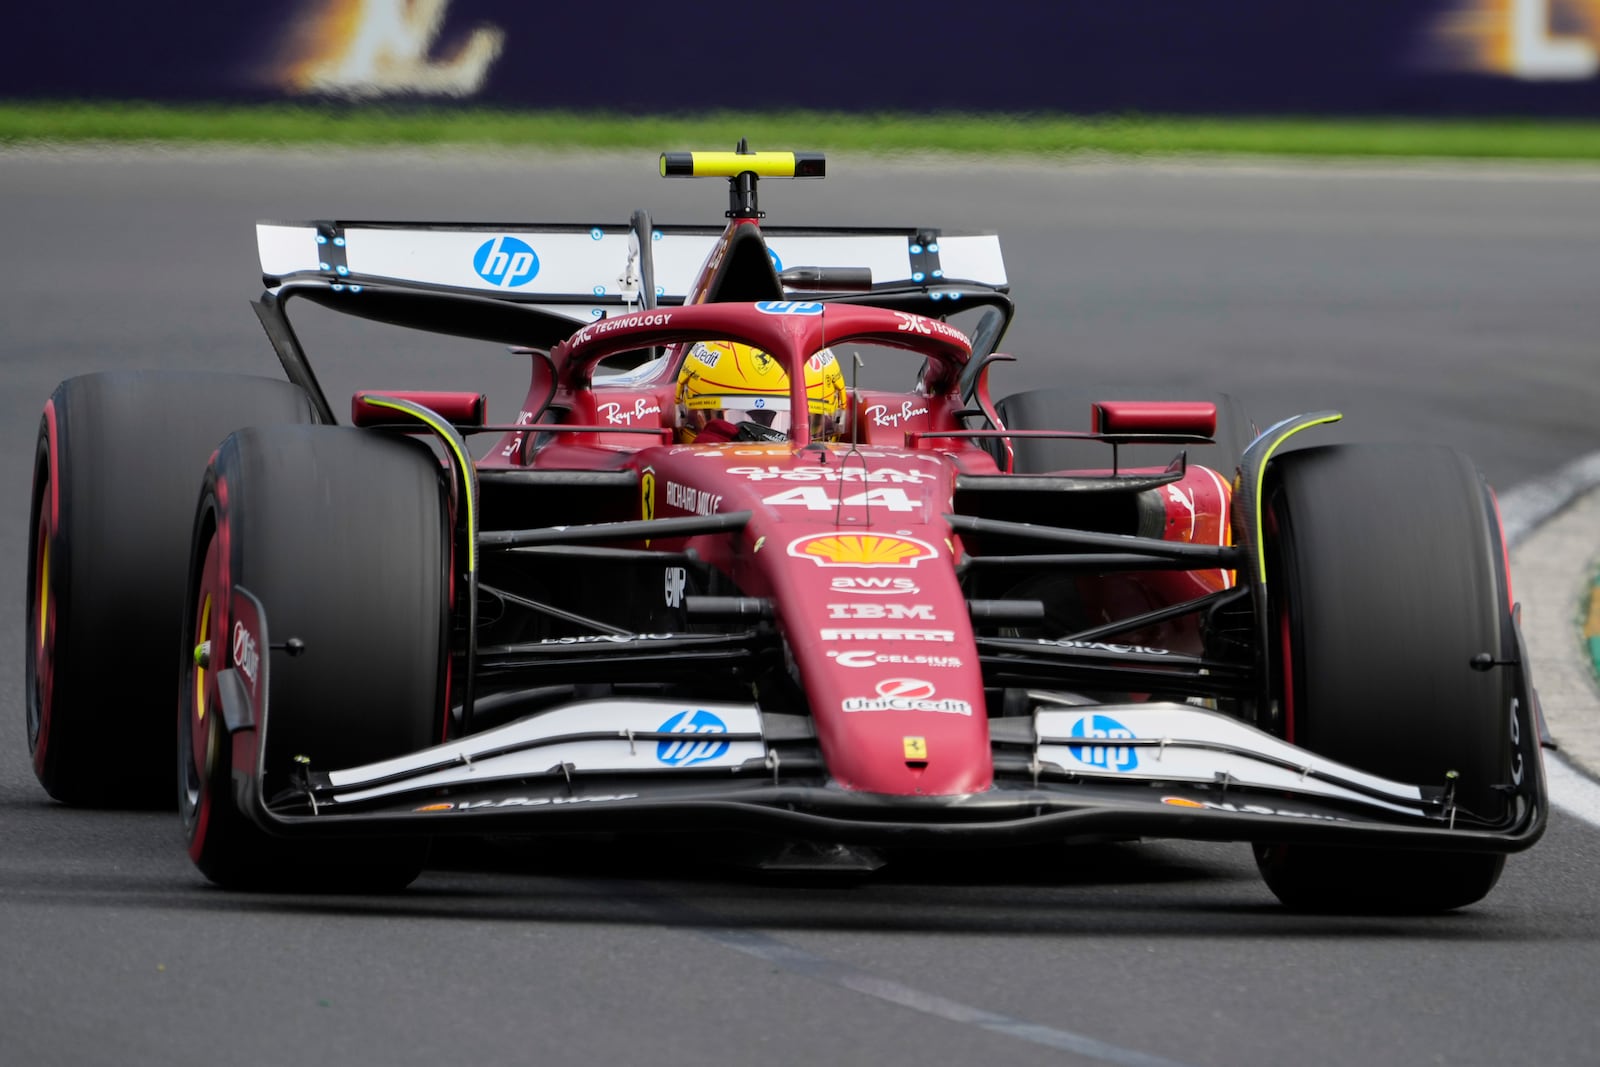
[{"x": 343, "y": 537}]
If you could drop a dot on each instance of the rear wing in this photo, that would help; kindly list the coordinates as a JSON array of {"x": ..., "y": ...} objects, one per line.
[
  {"x": 536, "y": 285},
  {"x": 588, "y": 272}
]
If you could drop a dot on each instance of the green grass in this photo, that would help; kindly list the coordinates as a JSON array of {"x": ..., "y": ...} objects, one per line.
[{"x": 887, "y": 134}]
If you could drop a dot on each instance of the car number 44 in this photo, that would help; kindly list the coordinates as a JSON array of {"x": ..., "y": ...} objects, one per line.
[{"x": 821, "y": 498}]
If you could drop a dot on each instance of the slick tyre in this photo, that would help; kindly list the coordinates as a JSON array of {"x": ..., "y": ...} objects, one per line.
[
  {"x": 342, "y": 537},
  {"x": 117, "y": 463},
  {"x": 1387, "y": 575}
]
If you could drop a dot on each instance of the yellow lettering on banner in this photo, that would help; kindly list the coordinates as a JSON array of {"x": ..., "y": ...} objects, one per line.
[
  {"x": 369, "y": 48},
  {"x": 1531, "y": 40}
]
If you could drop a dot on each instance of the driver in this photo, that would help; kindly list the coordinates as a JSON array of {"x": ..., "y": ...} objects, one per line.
[{"x": 729, "y": 391}]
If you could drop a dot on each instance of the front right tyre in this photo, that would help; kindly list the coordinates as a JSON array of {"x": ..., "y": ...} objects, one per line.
[{"x": 1386, "y": 577}]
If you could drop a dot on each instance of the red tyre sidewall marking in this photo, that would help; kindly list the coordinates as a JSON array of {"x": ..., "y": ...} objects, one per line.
[
  {"x": 1287, "y": 652},
  {"x": 1277, "y": 855},
  {"x": 46, "y": 561},
  {"x": 41, "y": 629},
  {"x": 449, "y": 677},
  {"x": 450, "y": 606},
  {"x": 1285, "y": 643}
]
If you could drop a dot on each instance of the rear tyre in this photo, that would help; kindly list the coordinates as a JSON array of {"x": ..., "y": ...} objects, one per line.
[
  {"x": 117, "y": 461},
  {"x": 342, "y": 536},
  {"x": 1387, "y": 575}
]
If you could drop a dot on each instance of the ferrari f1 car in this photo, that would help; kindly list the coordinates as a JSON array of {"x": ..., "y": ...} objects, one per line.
[{"x": 708, "y": 581}]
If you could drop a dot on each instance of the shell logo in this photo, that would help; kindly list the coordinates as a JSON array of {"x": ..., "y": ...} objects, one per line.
[{"x": 862, "y": 550}]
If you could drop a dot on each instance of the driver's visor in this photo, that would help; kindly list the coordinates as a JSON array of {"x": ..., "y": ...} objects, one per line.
[
  {"x": 772, "y": 420},
  {"x": 823, "y": 427}
]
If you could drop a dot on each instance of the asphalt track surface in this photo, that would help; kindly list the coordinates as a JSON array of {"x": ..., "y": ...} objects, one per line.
[{"x": 1429, "y": 304}]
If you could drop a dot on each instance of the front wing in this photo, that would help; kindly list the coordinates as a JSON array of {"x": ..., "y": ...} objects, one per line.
[{"x": 1064, "y": 772}]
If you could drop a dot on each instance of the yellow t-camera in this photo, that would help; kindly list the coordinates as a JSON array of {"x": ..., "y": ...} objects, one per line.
[{"x": 733, "y": 164}]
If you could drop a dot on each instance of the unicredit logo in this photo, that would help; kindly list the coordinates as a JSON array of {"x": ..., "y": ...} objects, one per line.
[{"x": 906, "y": 694}]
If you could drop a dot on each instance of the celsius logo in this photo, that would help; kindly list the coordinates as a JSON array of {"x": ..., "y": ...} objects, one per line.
[
  {"x": 1102, "y": 728},
  {"x": 688, "y": 752},
  {"x": 506, "y": 262}
]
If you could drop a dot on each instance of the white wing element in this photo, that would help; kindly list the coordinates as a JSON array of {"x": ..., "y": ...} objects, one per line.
[
  {"x": 528, "y": 262},
  {"x": 1162, "y": 741},
  {"x": 568, "y": 735}
]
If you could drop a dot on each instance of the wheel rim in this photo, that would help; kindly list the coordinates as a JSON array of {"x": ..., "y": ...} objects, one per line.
[{"x": 41, "y": 631}]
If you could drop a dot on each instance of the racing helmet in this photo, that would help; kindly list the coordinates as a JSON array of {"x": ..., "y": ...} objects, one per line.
[{"x": 724, "y": 385}]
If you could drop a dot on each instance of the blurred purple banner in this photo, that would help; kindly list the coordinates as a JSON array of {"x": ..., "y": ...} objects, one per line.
[{"x": 1424, "y": 57}]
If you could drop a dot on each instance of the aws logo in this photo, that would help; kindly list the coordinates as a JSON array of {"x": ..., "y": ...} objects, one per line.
[{"x": 1530, "y": 40}]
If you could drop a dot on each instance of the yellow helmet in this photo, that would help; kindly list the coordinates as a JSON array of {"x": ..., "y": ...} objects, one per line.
[{"x": 738, "y": 384}]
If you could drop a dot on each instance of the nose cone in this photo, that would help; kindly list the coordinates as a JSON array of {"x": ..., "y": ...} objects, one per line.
[
  {"x": 880, "y": 633},
  {"x": 899, "y": 735}
]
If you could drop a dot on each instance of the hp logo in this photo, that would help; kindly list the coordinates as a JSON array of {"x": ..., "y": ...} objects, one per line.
[
  {"x": 788, "y": 307},
  {"x": 506, "y": 262},
  {"x": 691, "y": 750},
  {"x": 1101, "y": 728}
]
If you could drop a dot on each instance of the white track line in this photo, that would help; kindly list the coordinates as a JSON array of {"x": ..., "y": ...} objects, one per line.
[
  {"x": 1532, "y": 504},
  {"x": 672, "y": 910},
  {"x": 1571, "y": 791},
  {"x": 798, "y": 961},
  {"x": 1550, "y": 566}
]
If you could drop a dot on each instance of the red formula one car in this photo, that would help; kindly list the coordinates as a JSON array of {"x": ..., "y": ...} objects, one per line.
[{"x": 710, "y": 581}]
